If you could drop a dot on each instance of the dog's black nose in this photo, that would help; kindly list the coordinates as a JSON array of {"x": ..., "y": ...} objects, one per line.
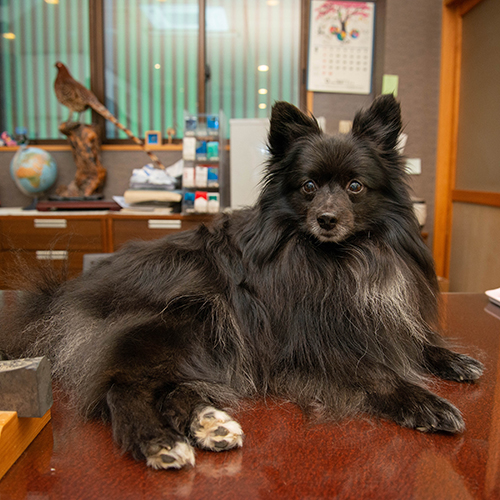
[{"x": 327, "y": 221}]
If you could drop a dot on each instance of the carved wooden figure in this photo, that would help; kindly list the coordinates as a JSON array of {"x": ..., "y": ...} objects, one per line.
[{"x": 90, "y": 174}]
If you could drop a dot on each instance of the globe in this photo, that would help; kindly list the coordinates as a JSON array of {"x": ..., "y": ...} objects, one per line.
[{"x": 33, "y": 170}]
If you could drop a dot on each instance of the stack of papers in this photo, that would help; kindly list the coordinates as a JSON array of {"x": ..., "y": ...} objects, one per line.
[{"x": 494, "y": 296}]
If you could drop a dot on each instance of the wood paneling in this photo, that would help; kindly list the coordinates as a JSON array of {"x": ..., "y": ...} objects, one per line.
[
  {"x": 479, "y": 197},
  {"x": 447, "y": 135},
  {"x": 467, "y": 156},
  {"x": 473, "y": 266}
]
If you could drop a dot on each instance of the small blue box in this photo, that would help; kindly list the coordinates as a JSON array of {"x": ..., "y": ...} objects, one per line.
[
  {"x": 213, "y": 177},
  {"x": 201, "y": 150},
  {"x": 190, "y": 125},
  {"x": 188, "y": 205},
  {"x": 213, "y": 125}
]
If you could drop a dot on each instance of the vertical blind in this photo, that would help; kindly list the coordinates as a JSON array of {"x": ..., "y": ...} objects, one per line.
[
  {"x": 150, "y": 57},
  {"x": 151, "y": 51},
  {"x": 35, "y": 35},
  {"x": 242, "y": 37}
]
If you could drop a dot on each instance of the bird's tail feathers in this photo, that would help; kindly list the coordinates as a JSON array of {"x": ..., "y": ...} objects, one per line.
[{"x": 104, "y": 112}]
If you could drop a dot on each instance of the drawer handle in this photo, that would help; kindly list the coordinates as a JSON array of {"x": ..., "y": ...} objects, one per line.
[
  {"x": 52, "y": 254},
  {"x": 164, "y": 224},
  {"x": 51, "y": 223}
]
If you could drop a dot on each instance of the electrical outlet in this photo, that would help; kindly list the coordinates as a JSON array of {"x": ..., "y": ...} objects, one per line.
[{"x": 414, "y": 166}]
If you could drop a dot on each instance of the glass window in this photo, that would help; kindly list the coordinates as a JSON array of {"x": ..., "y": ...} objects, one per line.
[
  {"x": 150, "y": 72},
  {"x": 253, "y": 52},
  {"x": 35, "y": 34},
  {"x": 150, "y": 57}
]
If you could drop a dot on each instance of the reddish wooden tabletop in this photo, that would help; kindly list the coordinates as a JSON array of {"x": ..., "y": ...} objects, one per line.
[{"x": 284, "y": 457}]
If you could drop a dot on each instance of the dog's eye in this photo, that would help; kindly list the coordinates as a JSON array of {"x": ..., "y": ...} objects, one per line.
[
  {"x": 355, "y": 187},
  {"x": 309, "y": 187}
]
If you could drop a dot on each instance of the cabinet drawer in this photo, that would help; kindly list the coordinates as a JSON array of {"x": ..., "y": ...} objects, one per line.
[
  {"x": 147, "y": 229},
  {"x": 56, "y": 233},
  {"x": 69, "y": 263}
]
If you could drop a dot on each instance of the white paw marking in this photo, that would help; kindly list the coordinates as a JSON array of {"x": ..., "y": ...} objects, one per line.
[
  {"x": 215, "y": 430},
  {"x": 172, "y": 458}
]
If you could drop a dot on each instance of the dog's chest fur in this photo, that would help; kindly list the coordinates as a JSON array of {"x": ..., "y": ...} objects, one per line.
[{"x": 319, "y": 306}]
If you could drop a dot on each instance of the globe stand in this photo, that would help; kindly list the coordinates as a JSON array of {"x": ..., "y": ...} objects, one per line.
[{"x": 33, "y": 204}]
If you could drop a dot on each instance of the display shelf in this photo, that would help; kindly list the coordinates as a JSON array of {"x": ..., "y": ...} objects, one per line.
[{"x": 205, "y": 175}]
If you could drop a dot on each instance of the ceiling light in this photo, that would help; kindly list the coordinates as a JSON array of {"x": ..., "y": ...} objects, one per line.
[
  {"x": 9, "y": 36},
  {"x": 157, "y": 66},
  {"x": 262, "y": 105},
  {"x": 263, "y": 67},
  {"x": 53, "y": 2},
  {"x": 272, "y": 3},
  {"x": 262, "y": 91}
]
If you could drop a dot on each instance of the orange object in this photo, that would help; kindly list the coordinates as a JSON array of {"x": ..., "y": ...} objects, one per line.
[{"x": 16, "y": 434}]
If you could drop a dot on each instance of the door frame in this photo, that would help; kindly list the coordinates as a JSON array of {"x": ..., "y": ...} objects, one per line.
[{"x": 449, "y": 101}]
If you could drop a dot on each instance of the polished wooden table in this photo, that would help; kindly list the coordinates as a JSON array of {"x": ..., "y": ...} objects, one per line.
[{"x": 284, "y": 457}]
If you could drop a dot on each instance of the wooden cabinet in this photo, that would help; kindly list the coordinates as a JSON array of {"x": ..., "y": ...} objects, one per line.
[
  {"x": 56, "y": 233},
  {"x": 124, "y": 228},
  {"x": 61, "y": 240},
  {"x": 58, "y": 241}
]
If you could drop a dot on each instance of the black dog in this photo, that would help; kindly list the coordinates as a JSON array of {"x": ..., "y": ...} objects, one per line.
[{"x": 323, "y": 293}]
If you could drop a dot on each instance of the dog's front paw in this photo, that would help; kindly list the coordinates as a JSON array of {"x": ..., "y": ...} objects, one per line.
[
  {"x": 450, "y": 365},
  {"x": 164, "y": 456},
  {"x": 463, "y": 368},
  {"x": 417, "y": 408},
  {"x": 435, "y": 415},
  {"x": 215, "y": 430}
]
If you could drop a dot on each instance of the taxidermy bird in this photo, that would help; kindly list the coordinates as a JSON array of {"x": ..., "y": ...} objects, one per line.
[{"x": 78, "y": 98}]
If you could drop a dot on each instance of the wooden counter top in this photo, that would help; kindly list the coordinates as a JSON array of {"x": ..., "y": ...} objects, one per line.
[{"x": 284, "y": 457}]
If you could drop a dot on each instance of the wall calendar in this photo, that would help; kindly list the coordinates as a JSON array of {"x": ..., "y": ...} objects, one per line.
[{"x": 341, "y": 46}]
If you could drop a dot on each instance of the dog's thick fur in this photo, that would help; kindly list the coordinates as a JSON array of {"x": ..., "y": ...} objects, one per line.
[{"x": 323, "y": 294}]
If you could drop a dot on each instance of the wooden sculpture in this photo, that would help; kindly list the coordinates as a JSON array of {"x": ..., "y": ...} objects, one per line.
[{"x": 90, "y": 174}]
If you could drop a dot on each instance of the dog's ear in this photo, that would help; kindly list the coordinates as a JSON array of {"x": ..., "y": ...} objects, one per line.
[
  {"x": 381, "y": 122},
  {"x": 288, "y": 124}
]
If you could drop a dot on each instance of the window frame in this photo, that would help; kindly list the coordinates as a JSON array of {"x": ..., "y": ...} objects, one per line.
[{"x": 97, "y": 83}]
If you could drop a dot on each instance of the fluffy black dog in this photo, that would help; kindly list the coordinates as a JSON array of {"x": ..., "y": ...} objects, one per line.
[{"x": 323, "y": 294}]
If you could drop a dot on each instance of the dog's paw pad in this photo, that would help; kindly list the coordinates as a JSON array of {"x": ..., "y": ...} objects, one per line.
[
  {"x": 170, "y": 457},
  {"x": 215, "y": 430}
]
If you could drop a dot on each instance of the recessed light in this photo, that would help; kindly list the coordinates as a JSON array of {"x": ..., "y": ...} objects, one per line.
[
  {"x": 157, "y": 66},
  {"x": 263, "y": 67},
  {"x": 262, "y": 105},
  {"x": 9, "y": 36},
  {"x": 53, "y": 2},
  {"x": 262, "y": 91}
]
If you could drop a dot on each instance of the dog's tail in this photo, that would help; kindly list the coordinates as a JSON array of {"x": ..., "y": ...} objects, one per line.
[{"x": 24, "y": 308}]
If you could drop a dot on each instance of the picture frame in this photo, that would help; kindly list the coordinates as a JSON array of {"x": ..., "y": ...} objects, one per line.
[{"x": 152, "y": 138}]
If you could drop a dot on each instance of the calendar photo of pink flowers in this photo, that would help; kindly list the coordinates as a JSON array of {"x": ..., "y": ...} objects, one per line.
[{"x": 341, "y": 46}]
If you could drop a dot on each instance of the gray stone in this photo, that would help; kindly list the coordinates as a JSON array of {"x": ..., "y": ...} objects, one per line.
[{"x": 26, "y": 386}]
